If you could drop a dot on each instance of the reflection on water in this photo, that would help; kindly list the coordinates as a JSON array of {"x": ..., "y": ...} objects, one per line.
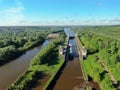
[
  {"x": 73, "y": 43},
  {"x": 10, "y": 71},
  {"x": 69, "y": 32}
]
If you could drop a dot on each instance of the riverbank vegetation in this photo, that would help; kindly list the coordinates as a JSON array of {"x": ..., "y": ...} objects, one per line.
[
  {"x": 103, "y": 44},
  {"x": 46, "y": 62},
  {"x": 16, "y": 40}
]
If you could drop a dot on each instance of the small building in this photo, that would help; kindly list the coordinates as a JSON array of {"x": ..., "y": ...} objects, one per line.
[
  {"x": 84, "y": 52},
  {"x": 53, "y": 35},
  {"x": 25, "y": 38},
  {"x": 62, "y": 50}
]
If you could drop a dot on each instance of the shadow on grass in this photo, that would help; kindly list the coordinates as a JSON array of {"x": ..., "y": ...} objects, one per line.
[
  {"x": 53, "y": 59},
  {"x": 38, "y": 76}
]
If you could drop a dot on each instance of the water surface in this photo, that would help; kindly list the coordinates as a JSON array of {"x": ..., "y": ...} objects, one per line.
[{"x": 12, "y": 70}]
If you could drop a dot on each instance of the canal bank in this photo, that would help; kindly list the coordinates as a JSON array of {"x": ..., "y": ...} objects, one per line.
[
  {"x": 12, "y": 70},
  {"x": 90, "y": 84},
  {"x": 48, "y": 81},
  {"x": 70, "y": 76}
]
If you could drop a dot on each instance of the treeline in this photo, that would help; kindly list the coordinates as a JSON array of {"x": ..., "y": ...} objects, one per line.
[
  {"x": 16, "y": 40},
  {"x": 101, "y": 47},
  {"x": 7, "y": 53},
  {"x": 47, "y": 61},
  {"x": 107, "y": 31},
  {"x": 95, "y": 42}
]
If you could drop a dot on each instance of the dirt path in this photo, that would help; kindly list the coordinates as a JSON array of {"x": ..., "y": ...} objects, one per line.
[{"x": 114, "y": 81}]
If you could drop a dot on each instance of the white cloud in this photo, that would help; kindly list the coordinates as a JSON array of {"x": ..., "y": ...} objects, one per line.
[
  {"x": 70, "y": 22},
  {"x": 12, "y": 15}
]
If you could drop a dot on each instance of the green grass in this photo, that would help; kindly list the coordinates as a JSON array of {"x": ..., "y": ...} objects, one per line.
[
  {"x": 53, "y": 70},
  {"x": 92, "y": 68}
]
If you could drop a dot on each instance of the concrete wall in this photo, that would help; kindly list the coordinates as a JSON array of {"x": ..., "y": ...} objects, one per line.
[{"x": 79, "y": 48}]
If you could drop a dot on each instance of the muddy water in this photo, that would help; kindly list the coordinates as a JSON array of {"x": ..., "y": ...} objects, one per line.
[
  {"x": 11, "y": 71},
  {"x": 71, "y": 77}
]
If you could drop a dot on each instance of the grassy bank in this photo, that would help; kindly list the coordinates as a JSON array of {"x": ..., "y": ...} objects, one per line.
[
  {"x": 101, "y": 47},
  {"x": 46, "y": 62},
  {"x": 95, "y": 71}
]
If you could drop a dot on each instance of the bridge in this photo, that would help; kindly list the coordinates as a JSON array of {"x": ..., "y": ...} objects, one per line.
[{"x": 71, "y": 37}]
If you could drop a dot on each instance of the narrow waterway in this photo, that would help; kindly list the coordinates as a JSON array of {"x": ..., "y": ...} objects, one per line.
[
  {"x": 71, "y": 77},
  {"x": 12, "y": 70}
]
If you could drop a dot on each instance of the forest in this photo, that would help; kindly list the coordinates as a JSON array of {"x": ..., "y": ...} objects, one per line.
[
  {"x": 16, "y": 40},
  {"x": 103, "y": 58}
]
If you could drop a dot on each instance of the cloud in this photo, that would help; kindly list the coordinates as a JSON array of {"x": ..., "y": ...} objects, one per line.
[
  {"x": 112, "y": 21},
  {"x": 115, "y": 20},
  {"x": 12, "y": 15},
  {"x": 72, "y": 21}
]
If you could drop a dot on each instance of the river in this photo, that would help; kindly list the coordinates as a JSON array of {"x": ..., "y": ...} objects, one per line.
[{"x": 12, "y": 70}]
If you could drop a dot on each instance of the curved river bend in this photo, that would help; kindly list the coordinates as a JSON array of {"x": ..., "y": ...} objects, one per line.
[{"x": 12, "y": 70}]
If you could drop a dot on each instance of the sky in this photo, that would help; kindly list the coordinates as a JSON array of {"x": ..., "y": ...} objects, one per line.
[{"x": 59, "y": 12}]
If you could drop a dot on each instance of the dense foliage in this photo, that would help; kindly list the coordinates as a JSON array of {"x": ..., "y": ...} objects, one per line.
[
  {"x": 103, "y": 44},
  {"x": 107, "y": 31},
  {"x": 47, "y": 61},
  {"x": 16, "y": 40}
]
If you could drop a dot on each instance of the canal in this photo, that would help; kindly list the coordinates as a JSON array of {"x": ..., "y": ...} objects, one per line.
[
  {"x": 71, "y": 77},
  {"x": 12, "y": 70}
]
